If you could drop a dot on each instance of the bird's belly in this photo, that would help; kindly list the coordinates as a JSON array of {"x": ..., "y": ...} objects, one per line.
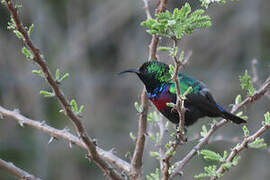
[{"x": 161, "y": 102}]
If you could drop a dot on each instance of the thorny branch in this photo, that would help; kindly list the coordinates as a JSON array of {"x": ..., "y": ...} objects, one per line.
[
  {"x": 15, "y": 171},
  {"x": 258, "y": 94},
  {"x": 57, "y": 133},
  {"x": 136, "y": 162},
  {"x": 243, "y": 145},
  {"x": 37, "y": 57},
  {"x": 180, "y": 136},
  {"x": 179, "y": 99}
]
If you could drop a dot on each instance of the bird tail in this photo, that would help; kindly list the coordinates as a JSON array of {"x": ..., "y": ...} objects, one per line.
[{"x": 233, "y": 118}]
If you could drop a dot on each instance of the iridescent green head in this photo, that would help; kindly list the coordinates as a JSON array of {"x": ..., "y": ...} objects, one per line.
[
  {"x": 152, "y": 73},
  {"x": 155, "y": 70}
]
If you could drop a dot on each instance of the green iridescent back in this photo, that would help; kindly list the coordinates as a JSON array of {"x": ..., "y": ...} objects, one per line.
[
  {"x": 161, "y": 71},
  {"x": 185, "y": 83}
]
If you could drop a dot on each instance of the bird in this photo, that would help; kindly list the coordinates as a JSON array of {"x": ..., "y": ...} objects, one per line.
[{"x": 161, "y": 90}]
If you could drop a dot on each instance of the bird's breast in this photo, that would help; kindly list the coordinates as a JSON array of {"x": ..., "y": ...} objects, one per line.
[{"x": 161, "y": 100}]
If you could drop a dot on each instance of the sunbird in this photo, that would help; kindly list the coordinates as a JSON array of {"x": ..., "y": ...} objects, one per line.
[{"x": 161, "y": 90}]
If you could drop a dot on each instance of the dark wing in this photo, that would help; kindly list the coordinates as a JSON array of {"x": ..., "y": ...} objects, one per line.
[{"x": 205, "y": 102}]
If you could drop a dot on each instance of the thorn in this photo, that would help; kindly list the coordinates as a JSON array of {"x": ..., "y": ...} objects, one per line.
[
  {"x": 51, "y": 139},
  {"x": 146, "y": 134},
  {"x": 21, "y": 123},
  {"x": 94, "y": 142},
  {"x": 65, "y": 130},
  {"x": 42, "y": 123},
  {"x": 89, "y": 157},
  {"x": 180, "y": 173},
  {"x": 112, "y": 150},
  {"x": 70, "y": 144},
  {"x": 16, "y": 111}
]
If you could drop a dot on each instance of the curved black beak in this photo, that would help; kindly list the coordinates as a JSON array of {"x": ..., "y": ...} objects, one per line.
[{"x": 129, "y": 71}]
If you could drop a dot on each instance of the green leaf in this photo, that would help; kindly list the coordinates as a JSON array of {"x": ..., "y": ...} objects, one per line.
[
  {"x": 18, "y": 34},
  {"x": 154, "y": 176},
  {"x": 209, "y": 172},
  {"x": 74, "y": 106},
  {"x": 177, "y": 24},
  {"x": 181, "y": 57},
  {"x": 205, "y": 3},
  {"x": 211, "y": 155},
  {"x": 38, "y": 72},
  {"x": 204, "y": 131},
  {"x": 18, "y": 6},
  {"x": 30, "y": 30},
  {"x": 46, "y": 94},
  {"x": 225, "y": 155},
  {"x": 131, "y": 135},
  {"x": 3, "y": 2},
  {"x": 138, "y": 107},
  {"x": 227, "y": 165},
  {"x": 238, "y": 99},
  {"x": 152, "y": 117},
  {"x": 235, "y": 160},
  {"x": 155, "y": 138},
  {"x": 266, "y": 121},
  {"x": 164, "y": 48},
  {"x": 246, "y": 83},
  {"x": 81, "y": 109},
  {"x": 240, "y": 114},
  {"x": 171, "y": 70},
  {"x": 11, "y": 24},
  {"x": 173, "y": 51},
  {"x": 257, "y": 144},
  {"x": 27, "y": 53},
  {"x": 170, "y": 153},
  {"x": 202, "y": 175},
  {"x": 57, "y": 74},
  {"x": 65, "y": 76},
  {"x": 172, "y": 105},
  {"x": 189, "y": 90},
  {"x": 245, "y": 130}
]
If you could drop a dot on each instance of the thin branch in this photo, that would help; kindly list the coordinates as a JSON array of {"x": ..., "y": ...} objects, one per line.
[
  {"x": 179, "y": 100},
  {"x": 243, "y": 145},
  {"x": 57, "y": 133},
  {"x": 15, "y": 171},
  {"x": 258, "y": 94},
  {"x": 161, "y": 6},
  {"x": 38, "y": 58},
  {"x": 154, "y": 42},
  {"x": 146, "y": 8},
  {"x": 136, "y": 162},
  {"x": 181, "y": 113},
  {"x": 166, "y": 160},
  {"x": 162, "y": 130}
]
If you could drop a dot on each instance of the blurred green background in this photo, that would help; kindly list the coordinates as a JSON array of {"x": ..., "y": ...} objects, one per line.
[{"x": 93, "y": 40}]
